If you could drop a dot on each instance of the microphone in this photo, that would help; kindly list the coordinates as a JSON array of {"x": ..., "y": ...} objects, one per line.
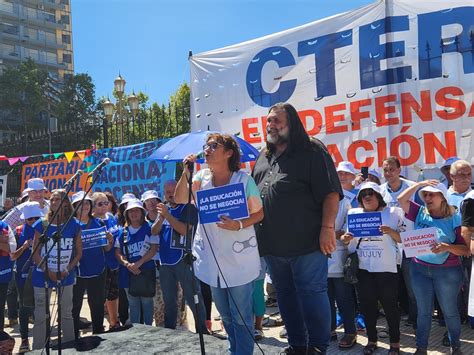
[
  {"x": 73, "y": 178},
  {"x": 199, "y": 155},
  {"x": 99, "y": 167}
]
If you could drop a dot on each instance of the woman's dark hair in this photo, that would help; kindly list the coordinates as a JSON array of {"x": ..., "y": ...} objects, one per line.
[
  {"x": 229, "y": 143},
  {"x": 382, "y": 203},
  {"x": 128, "y": 219},
  {"x": 112, "y": 200},
  {"x": 121, "y": 214},
  {"x": 298, "y": 139},
  {"x": 78, "y": 212},
  {"x": 66, "y": 206}
]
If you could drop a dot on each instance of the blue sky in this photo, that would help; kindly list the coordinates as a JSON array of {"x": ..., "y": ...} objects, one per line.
[{"x": 148, "y": 40}]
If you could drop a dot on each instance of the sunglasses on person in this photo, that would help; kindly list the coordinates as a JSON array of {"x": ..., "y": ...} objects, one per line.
[
  {"x": 368, "y": 192},
  {"x": 102, "y": 203},
  {"x": 212, "y": 146},
  {"x": 32, "y": 219}
]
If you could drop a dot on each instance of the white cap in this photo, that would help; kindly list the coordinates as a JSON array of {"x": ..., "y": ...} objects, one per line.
[
  {"x": 150, "y": 194},
  {"x": 35, "y": 184},
  {"x": 346, "y": 166},
  {"x": 24, "y": 193},
  {"x": 134, "y": 204},
  {"x": 375, "y": 173},
  {"x": 127, "y": 198},
  {"x": 369, "y": 185},
  {"x": 78, "y": 196},
  {"x": 440, "y": 187},
  {"x": 31, "y": 209}
]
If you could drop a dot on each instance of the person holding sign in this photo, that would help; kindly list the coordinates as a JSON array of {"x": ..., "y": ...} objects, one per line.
[
  {"x": 31, "y": 213},
  {"x": 71, "y": 253},
  {"x": 377, "y": 251},
  {"x": 101, "y": 204},
  {"x": 134, "y": 250},
  {"x": 226, "y": 252},
  {"x": 170, "y": 225},
  {"x": 96, "y": 241},
  {"x": 439, "y": 272}
]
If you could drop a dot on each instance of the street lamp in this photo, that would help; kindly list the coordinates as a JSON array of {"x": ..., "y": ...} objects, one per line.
[{"x": 109, "y": 107}]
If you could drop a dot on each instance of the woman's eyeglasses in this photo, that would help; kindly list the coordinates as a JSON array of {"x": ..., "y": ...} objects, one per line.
[
  {"x": 212, "y": 146},
  {"x": 368, "y": 192},
  {"x": 102, "y": 203}
]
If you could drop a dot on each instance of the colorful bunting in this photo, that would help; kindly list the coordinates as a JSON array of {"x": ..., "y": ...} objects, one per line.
[
  {"x": 69, "y": 156},
  {"x": 23, "y": 159},
  {"x": 81, "y": 154},
  {"x": 57, "y": 155},
  {"x": 12, "y": 161}
]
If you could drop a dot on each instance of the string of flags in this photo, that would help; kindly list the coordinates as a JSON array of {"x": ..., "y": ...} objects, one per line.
[{"x": 81, "y": 154}]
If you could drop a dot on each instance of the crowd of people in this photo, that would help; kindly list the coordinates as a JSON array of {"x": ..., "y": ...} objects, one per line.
[{"x": 296, "y": 232}]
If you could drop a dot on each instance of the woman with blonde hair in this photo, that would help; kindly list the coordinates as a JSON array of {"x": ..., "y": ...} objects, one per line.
[{"x": 439, "y": 272}]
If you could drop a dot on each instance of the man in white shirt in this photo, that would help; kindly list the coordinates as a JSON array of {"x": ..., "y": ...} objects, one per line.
[
  {"x": 461, "y": 175},
  {"x": 36, "y": 191}
]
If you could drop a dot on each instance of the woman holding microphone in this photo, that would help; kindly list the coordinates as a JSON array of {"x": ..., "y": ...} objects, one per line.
[{"x": 226, "y": 252}]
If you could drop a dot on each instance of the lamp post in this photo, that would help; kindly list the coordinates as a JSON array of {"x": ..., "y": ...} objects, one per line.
[{"x": 118, "y": 108}]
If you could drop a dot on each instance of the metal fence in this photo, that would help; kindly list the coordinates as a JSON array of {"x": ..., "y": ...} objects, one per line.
[{"x": 150, "y": 124}]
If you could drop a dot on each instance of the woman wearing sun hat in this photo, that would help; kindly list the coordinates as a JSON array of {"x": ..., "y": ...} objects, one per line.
[
  {"x": 31, "y": 212},
  {"x": 91, "y": 270},
  {"x": 441, "y": 271},
  {"x": 378, "y": 273},
  {"x": 134, "y": 250}
]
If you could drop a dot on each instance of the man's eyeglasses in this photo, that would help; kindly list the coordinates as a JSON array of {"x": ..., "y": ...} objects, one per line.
[
  {"x": 368, "y": 192},
  {"x": 102, "y": 203},
  {"x": 212, "y": 146},
  {"x": 32, "y": 219}
]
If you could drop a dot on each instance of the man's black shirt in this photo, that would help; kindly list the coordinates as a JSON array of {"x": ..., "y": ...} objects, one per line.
[{"x": 293, "y": 187}]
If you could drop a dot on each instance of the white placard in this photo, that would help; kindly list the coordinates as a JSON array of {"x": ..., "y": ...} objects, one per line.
[{"x": 419, "y": 241}]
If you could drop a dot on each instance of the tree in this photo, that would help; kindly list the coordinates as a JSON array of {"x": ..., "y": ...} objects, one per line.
[{"x": 22, "y": 96}]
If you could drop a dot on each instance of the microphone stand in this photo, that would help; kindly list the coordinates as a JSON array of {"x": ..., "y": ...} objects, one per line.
[
  {"x": 190, "y": 258},
  {"x": 56, "y": 237}
]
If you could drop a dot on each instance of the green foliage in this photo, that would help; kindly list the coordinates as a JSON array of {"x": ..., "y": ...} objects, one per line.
[{"x": 21, "y": 94}]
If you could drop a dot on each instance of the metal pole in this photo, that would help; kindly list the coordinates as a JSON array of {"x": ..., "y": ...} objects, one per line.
[{"x": 106, "y": 132}]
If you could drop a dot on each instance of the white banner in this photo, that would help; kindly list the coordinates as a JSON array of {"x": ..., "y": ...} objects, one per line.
[
  {"x": 3, "y": 189},
  {"x": 391, "y": 78}
]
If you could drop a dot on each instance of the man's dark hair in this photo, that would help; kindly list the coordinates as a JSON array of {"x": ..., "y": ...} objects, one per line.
[
  {"x": 392, "y": 160},
  {"x": 298, "y": 138}
]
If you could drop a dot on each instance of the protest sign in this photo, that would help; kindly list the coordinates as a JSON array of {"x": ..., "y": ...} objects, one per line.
[
  {"x": 228, "y": 200},
  {"x": 419, "y": 241},
  {"x": 392, "y": 78},
  {"x": 94, "y": 238},
  {"x": 364, "y": 224},
  {"x": 55, "y": 173}
]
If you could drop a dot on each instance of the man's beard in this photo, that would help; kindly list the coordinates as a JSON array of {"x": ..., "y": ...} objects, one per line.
[{"x": 281, "y": 136}]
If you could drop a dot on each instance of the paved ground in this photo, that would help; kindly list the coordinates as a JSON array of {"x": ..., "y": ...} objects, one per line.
[{"x": 272, "y": 336}]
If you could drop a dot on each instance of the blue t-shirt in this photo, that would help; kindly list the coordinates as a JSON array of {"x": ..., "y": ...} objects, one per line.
[
  {"x": 116, "y": 230},
  {"x": 6, "y": 263},
  {"x": 92, "y": 262},
  {"x": 67, "y": 251},
  {"x": 135, "y": 244},
  {"x": 169, "y": 255},
  {"x": 27, "y": 232}
]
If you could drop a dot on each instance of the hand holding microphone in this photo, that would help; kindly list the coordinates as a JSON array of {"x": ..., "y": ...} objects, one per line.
[{"x": 189, "y": 161}]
